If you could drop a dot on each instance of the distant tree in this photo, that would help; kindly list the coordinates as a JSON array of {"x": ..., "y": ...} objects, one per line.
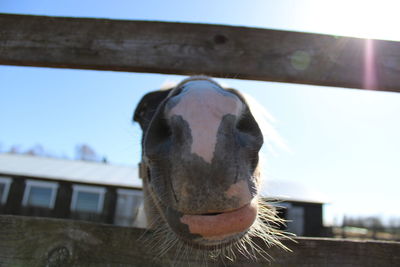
[
  {"x": 394, "y": 225},
  {"x": 85, "y": 152},
  {"x": 374, "y": 224},
  {"x": 15, "y": 149},
  {"x": 82, "y": 152},
  {"x": 36, "y": 150}
]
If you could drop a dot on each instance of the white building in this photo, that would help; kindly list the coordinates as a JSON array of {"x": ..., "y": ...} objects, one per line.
[{"x": 39, "y": 186}]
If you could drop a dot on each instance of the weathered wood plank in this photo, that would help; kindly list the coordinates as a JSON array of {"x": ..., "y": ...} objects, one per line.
[
  {"x": 27, "y": 241},
  {"x": 181, "y": 48}
]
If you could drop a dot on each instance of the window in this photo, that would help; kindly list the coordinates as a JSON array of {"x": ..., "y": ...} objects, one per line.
[
  {"x": 4, "y": 189},
  {"x": 87, "y": 198},
  {"x": 128, "y": 203},
  {"x": 40, "y": 194}
]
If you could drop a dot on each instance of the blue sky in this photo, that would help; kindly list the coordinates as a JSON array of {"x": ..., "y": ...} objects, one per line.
[{"x": 344, "y": 142}]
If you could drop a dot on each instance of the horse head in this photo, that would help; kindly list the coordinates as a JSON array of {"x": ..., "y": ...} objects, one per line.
[{"x": 200, "y": 165}]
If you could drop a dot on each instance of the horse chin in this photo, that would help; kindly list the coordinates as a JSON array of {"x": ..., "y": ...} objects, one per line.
[{"x": 217, "y": 242}]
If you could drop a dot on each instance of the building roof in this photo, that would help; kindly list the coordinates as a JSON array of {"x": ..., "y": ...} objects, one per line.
[
  {"x": 291, "y": 191},
  {"x": 118, "y": 175},
  {"x": 69, "y": 170}
]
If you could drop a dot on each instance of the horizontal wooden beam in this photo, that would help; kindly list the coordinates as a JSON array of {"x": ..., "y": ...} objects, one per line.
[
  {"x": 29, "y": 241},
  {"x": 187, "y": 49}
]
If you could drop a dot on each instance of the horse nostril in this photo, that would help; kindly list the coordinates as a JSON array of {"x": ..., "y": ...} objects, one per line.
[
  {"x": 156, "y": 140},
  {"x": 247, "y": 124}
]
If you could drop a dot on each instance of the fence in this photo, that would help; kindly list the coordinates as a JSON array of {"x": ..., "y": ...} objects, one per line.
[
  {"x": 28, "y": 241},
  {"x": 180, "y": 48},
  {"x": 219, "y": 51}
]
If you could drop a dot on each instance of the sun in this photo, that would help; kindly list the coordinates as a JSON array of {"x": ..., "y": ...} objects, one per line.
[{"x": 356, "y": 18}]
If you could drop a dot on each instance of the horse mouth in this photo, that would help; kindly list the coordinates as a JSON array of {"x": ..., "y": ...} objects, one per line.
[
  {"x": 222, "y": 227},
  {"x": 221, "y": 224},
  {"x": 211, "y": 229}
]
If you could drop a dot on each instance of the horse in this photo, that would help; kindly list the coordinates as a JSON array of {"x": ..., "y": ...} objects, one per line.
[{"x": 201, "y": 171}]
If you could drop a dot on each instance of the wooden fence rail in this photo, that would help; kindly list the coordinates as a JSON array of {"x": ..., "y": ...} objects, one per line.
[
  {"x": 183, "y": 48},
  {"x": 28, "y": 241}
]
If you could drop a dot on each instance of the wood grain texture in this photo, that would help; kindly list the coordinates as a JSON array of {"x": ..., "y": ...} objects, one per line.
[
  {"x": 28, "y": 241},
  {"x": 187, "y": 49}
]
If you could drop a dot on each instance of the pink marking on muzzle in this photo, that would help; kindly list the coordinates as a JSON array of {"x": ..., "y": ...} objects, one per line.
[{"x": 202, "y": 104}]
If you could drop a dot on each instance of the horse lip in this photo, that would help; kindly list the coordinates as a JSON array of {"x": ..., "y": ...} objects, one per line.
[{"x": 222, "y": 225}]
